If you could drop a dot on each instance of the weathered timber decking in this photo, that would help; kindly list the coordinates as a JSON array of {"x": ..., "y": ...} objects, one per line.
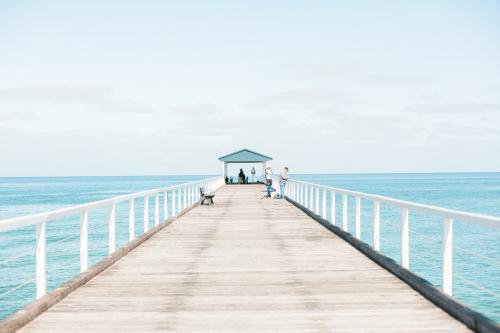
[{"x": 245, "y": 264}]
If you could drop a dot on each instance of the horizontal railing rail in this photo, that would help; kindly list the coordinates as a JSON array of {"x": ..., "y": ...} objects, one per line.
[
  {"x": 487, "y": 220},
  {"x": 313, "y": 197},
  {"x": 182, "y": 196}
]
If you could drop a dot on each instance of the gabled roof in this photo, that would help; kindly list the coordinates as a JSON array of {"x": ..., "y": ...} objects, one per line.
[{"x": 245, "y": 156}]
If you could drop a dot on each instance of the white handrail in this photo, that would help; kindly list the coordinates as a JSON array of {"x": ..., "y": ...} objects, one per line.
[
  {"x": 487, "y": 220},
  {"x": 26, "y": 220},
  {"x": 42, "y": 219},
  {"x": 298, "y": 191}
]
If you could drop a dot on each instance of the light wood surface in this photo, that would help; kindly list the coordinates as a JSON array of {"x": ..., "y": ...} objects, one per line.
[{"x": 245, "y": 264}]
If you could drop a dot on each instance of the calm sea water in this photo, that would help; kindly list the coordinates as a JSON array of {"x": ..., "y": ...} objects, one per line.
[{"x": 476, "y": 249}]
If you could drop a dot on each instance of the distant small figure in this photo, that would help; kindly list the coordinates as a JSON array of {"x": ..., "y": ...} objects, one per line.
[
  {"x": 253, "y": 175},
  {"x": 241, "y": 177},
  {"x": 283, "y": 180},
  {"x": 269, "y": 180}
]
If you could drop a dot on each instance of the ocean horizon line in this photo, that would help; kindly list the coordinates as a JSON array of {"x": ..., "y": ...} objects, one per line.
[{"x": 291, "y": 174}]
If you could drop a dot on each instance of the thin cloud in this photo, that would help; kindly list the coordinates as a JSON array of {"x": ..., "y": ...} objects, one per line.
[
  {"x": 196, "y": 110},
  {"x": 425, "y": 98},
  {"x": 54, "y": 93},
  {"x": 471, "y": 108},
  {"x": 457, "y": 131},
  {"x": 18, "y": 116},
  {"x": 352, "y": 72},
  {"x": 70, "y": 93},
  {"x": 202, "y": 119},
  {"x": 493, "y": 87},
  {"x": 304, "y": 99},
  {"x": 393, "y": 79}
]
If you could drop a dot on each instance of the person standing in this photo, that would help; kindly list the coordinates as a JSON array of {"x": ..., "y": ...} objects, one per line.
[
  {"x": 253, "y": 175},
  {"x": 269, "y": 180},
  {"x": 241, "y": 177},
  {"x": 283, "y": 180}
]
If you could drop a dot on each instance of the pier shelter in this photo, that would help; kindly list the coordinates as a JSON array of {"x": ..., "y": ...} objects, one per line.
[{"x": 244, "y": 156}]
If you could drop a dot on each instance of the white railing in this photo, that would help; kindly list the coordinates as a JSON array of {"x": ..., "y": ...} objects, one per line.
[
  {"x": 312, "y": 196},
  {"x": 188, "y": 192}
]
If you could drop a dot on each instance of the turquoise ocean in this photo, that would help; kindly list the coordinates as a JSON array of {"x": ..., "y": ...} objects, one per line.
[{"x": 476, "y": 254}]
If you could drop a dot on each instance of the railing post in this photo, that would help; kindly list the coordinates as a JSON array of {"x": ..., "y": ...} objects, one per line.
[
  {"x": 84, "y": 241},
  {"x": 157, "y": 208},
  {"x": 185, "y": 197},
  {"x": 307, "y": 193},
  {"x": 316, "y": 208},
  {"x": 173, "y": 202},
  {"x": 345, "y": 226},
  {"x": 448, "y": 256},
  {"x": 179, "y": 199},
  {"x": 146, "y": 213},
  {"x": 301, "y": 194},
  {"x": 405, "y": 239},
  {"x": 376, "y": 225},
  {"x": 332, "y": 206},
  {"x": 131, "y": 219},
  {"x": 111, "y": 230},
  {"x": 41, "y": 260},
  {"x": 306, "y": 196},
  {"x": 311, "y": 198},
  {"x": 165, "y": 205},
  {"x": 191, "y": 195},
  {"x": 323, "y": 204},
  {"x": 295, "y": 192},
  {"x": 358, "y": 217}
]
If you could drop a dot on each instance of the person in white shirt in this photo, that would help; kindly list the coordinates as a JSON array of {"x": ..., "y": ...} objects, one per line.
[
  {"x": 283, "y": 180},
  {"x": 253, "y": 175},
  {"x": 269, "y": 180}
]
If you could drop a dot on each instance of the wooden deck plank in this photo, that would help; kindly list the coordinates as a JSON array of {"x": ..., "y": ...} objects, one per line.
[{"x": 245, "y": 264}]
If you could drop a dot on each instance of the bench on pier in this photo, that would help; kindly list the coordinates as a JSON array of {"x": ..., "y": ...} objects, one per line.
[{"x": 209, "y": 197}]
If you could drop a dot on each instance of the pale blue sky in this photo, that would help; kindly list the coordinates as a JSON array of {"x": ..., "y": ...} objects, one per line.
[{"x": 157, "y": 87}]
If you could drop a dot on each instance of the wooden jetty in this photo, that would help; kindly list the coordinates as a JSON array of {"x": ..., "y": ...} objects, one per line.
[{"x": 245, "y": 264}]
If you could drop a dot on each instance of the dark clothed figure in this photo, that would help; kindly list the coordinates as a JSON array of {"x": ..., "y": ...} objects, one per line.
[{"x": 241, "y": 176}]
